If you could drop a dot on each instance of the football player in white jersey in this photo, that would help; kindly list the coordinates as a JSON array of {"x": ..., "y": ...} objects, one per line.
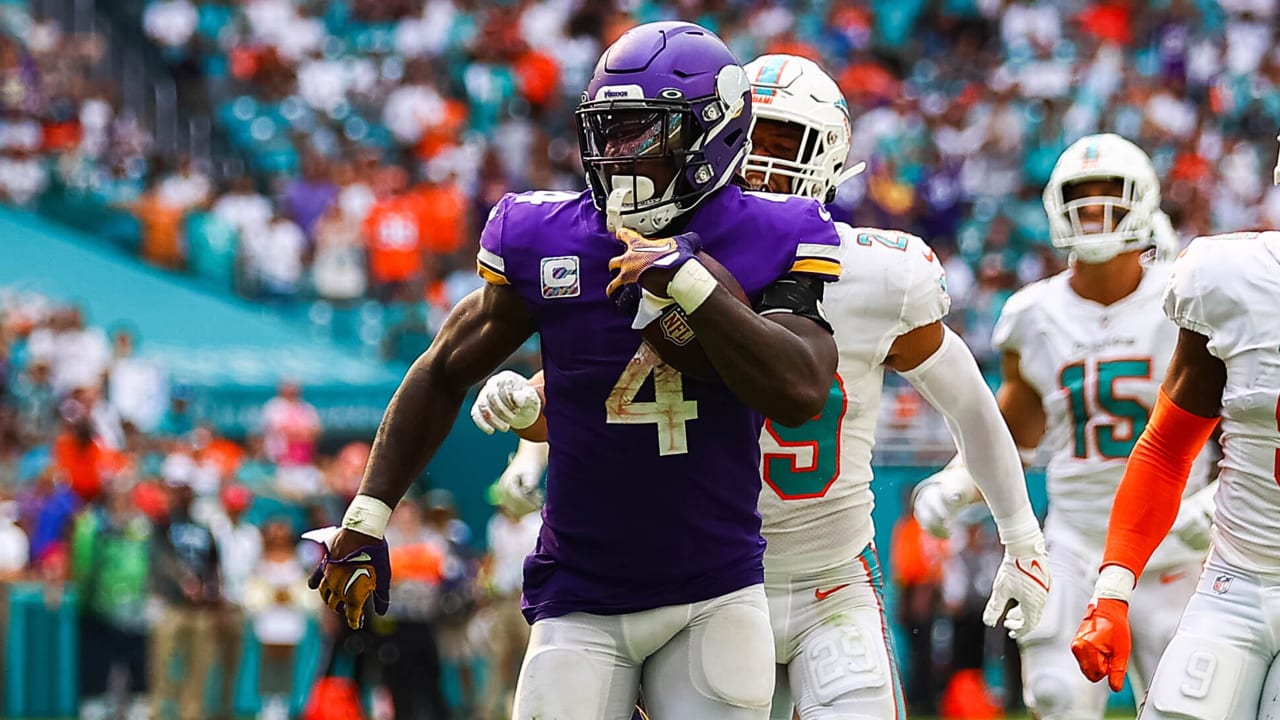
[
  {"x": 1225, "y": 298},
  {"x": 822, "y": 577},
  {"x": 1083, "y": 353}
]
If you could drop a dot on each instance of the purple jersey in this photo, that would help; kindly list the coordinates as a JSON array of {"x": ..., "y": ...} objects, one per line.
[{"x": 653, "y": 477}]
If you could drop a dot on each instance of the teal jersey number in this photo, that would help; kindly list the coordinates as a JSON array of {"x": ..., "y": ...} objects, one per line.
[
  {"x": 1115, "y": 439},
  {"x": 898, "y": 243},
  {"x": 807, "y": 458}
]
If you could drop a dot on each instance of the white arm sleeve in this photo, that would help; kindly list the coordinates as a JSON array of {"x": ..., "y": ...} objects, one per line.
[
  {"x": 533, "y": 454},
  {"x": 951, "y": 382}
]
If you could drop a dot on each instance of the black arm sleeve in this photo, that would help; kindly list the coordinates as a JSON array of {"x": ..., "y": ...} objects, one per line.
[{"x": 795, "y": 294}]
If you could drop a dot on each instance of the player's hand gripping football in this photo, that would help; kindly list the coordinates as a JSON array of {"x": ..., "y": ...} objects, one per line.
[
  {"x": 1023, "y": 578},
  {"x": 649, "y": 263},
  {"x": 507, "y": 400},
  {"x": 354, "y": 568},
  {"x": 1101, "y": 645}
]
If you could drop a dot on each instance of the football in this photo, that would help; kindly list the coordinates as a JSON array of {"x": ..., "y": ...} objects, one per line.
[{"x": 675, "y": 341}]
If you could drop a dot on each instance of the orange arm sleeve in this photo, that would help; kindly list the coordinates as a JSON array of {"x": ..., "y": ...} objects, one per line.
[{"x": 1149, "y": 495}]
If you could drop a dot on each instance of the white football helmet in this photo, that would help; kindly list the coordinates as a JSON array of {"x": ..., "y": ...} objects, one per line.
[
  {"x": 792, "y": 89},
  {"x": 1103, "y": 157}
]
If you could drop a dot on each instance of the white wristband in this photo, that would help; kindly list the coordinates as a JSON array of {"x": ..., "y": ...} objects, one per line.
[
  {"x": 1114, "y": 582},
  {"x": 368, "y": 515},
  {"x": 691, "y": 286}
]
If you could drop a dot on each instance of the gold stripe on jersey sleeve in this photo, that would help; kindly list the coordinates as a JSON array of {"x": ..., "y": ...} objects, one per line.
[
  {"x": 491, "y": 276},
  {"x": 817, "y": 266}
]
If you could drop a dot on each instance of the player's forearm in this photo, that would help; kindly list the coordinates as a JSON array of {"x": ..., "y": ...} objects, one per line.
[
  {"x": 1020, "y": 404},
  {"x": 1155, "y": 477},
  {"x": 951, "y": 381},
  {"x": 484, "y": 329},
  {"x": 416, "y": 422},
  {"x": 781, "y": 366}
]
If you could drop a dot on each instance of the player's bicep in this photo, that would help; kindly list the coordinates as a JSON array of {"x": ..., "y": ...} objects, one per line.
[
  {"x": 1020, "y": 404},
  {"x": 484, "y": 329},
  {"x": 1195, "y": 378},
  {"x": 914, "y": 347}
]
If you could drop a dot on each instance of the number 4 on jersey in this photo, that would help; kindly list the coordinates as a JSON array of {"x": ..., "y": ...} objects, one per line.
[{"x": 668, "y": 409}]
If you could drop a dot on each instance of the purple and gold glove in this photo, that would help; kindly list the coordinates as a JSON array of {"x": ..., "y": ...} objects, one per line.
[
  {"x": 643, "y": 254},
  {"x": 346, "y": 583}
]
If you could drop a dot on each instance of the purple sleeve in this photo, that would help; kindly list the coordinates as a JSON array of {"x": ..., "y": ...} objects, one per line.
[
  {"x": 818, "y": 246},
  {"x": 489, "y": 261}
]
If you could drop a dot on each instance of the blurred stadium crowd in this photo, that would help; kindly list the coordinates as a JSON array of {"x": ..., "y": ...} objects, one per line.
[
  {"x": 179, "y": 542},
  {"x": 374, "y": 136},
  {"x": 377, "y": 135}
]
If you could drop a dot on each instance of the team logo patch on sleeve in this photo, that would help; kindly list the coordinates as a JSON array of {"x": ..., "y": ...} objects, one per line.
[{"x": 560, "y": 277}]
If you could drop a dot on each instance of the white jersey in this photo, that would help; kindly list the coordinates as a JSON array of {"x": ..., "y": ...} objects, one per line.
[
  {"x": 1227, "y": 288},
  {"x": 816, "y": 498},
  {"x": 1097, "y": 369}
]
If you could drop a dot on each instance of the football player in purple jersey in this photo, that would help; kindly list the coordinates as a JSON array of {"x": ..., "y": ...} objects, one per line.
[
  {"x": 649, "y": 563},
  {"x": 822, "y": 574}
]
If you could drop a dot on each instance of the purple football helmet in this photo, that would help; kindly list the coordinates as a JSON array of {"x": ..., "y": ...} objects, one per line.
[{"x": 664, "y": 123}]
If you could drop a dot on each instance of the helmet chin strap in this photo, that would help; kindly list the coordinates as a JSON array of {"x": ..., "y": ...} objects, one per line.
[{"x": 628, "y": 192}]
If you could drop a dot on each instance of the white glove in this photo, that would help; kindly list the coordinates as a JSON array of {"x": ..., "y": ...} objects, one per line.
[
  {"x": 938, "y": 498},
  {"x": 1195, "y": 518},
  {"x": 505, "y": 402},
  {"x": 1023, "y": 577},
  {"x": 521, "y": 483}
]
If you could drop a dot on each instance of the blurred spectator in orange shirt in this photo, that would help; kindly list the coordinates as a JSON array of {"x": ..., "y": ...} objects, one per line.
[
  {"x": 161, "y": 231},
  {"x": 917, "y": 573},
  {"x": 866, "y": 82},
  {"x": 407, "y": 647},
  {"x": 393, "y": 234},
  {"x": 443, "y": 213},
  {"x": 538, "y": 77},
  {"x": 76, "y": 453}
]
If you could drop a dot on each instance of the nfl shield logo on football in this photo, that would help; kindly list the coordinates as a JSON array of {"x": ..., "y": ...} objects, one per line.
[
  {"x": 1222, "y": 584},
  {"x": 675, "y": 327},
  {"x": 560, "y": 277}
]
